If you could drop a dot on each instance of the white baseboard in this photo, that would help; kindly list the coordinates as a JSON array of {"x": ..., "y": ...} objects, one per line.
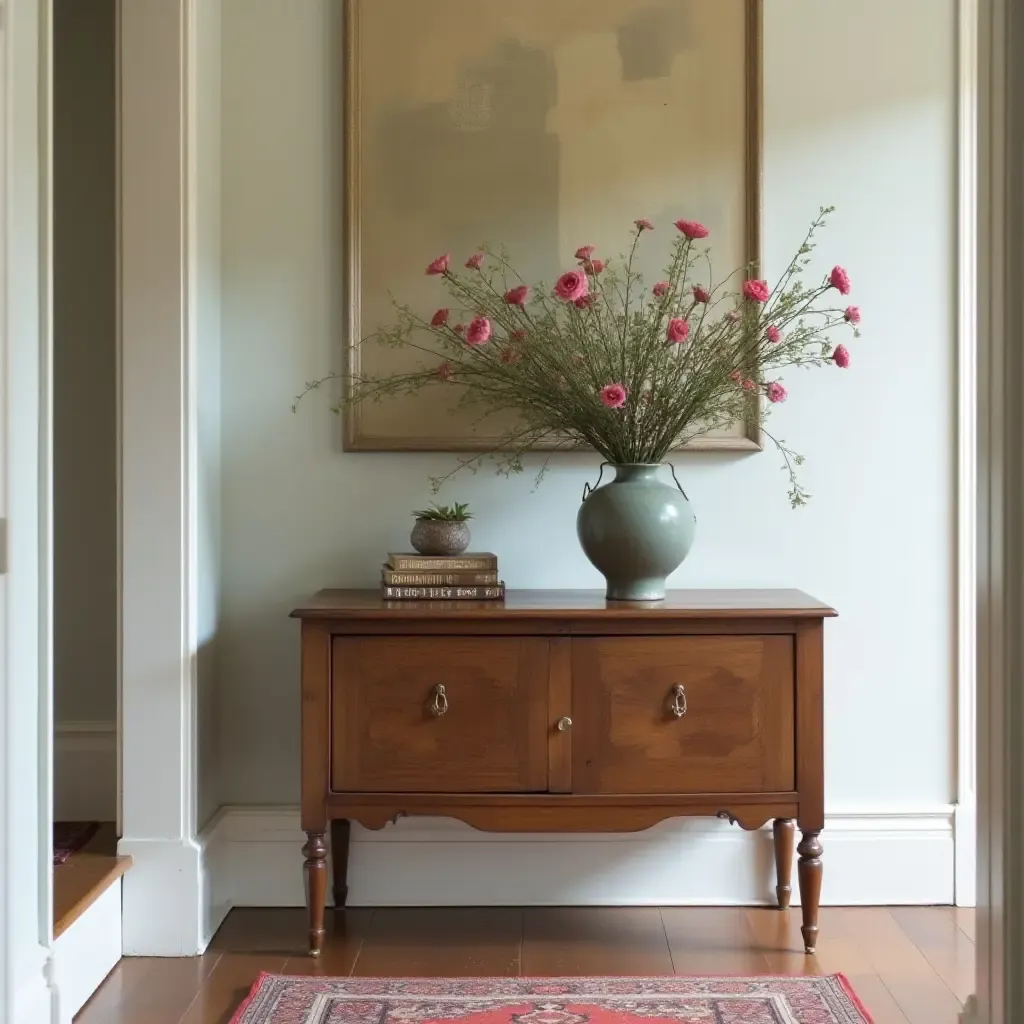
[
  {"x": 87, "y": 952},
  {"x": 873, "y": 857},
  {"x": 85, "y": 771},
  {"x": 166, "y": 901}
]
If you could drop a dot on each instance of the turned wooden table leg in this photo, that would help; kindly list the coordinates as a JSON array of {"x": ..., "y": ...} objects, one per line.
[
  {"x": 809, "y": 875},
  {"x": 340, "y": 829},
  {"x": 315, "y": 852},
  {"x": 784, "y": 833}
]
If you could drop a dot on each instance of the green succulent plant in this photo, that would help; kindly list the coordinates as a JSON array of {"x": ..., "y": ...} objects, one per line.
[{"x": 457, "y": 513}]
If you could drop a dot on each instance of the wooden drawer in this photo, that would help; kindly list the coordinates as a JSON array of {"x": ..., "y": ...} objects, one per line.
[
  {"x": 492, "y": 737},
  {"x": 736, "y": 735}
]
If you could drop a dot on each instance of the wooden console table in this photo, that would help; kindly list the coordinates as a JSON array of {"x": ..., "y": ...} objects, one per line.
[{"x": 558, "y": 711}]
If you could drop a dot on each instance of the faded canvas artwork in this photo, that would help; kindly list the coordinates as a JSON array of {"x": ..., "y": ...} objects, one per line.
[{"x": 542, "y": 125}]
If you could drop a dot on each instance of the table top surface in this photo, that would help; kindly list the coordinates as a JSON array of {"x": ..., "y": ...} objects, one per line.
[{"x": 548, "y": 604}]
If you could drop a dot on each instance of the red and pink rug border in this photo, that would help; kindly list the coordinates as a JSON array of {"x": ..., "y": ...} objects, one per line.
[{"x": 541, "y": 979}]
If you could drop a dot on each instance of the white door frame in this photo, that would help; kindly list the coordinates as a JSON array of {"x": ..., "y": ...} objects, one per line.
[{"x": 26, "y": 716}]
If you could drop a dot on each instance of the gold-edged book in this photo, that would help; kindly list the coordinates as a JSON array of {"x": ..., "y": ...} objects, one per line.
[
  {"x": 478, "y": 562},
  {"x": 444, "y": 593},
  {"x": 391, "y": 578}
]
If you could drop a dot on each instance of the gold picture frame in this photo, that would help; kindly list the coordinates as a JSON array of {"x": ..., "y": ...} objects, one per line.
[{"x": 412, "y": 424}]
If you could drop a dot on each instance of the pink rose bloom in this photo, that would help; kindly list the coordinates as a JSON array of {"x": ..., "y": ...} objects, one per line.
[
  {"x": 852, "y": 314},
  {"x": 774, "y": 334},
  {"x": 586, "y": 301},
  {"x": 572, "y": 285},
  {"x": 692, "y": 229},
  {"x": 476, "y": 261},
  {"x": 440, "y": 265},
  {"x": 613, "y": 396},
  {"x": 749, "y": 385},
  {"x": 479, "y": 330},
  {"x": 594, "y": 266},
  {"x": 459, "y": 328},
  {"x": 445, "y": 372},
  {"x": 841, "y": 356},
  {"x": 840, "y": 280},
  {"x": 643, "y": 224},
  {"x": 756, "y": 291},
  {"x": 700, "y": 294},
  {"x": 736, "y": 376},
  {"x": 509, "y": 356},
  {"x": 440, "y": 318},
  {"x": 517, "y": 296},
  {"x": 733, "y": 316},
  {"x": 660, "y": 289},
  {"x": 678, "y": 330},
  {"x": 584, "y": 252},
  {"x": 518, "y": 334},
  {"x": 776, "y": 392}
]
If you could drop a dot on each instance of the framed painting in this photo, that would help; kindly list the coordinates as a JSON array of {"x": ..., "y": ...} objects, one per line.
[{"x": 540, "y": 125}]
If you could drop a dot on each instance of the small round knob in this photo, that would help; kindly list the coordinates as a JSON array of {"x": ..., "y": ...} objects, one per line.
[{"x": 564, "y": 724}]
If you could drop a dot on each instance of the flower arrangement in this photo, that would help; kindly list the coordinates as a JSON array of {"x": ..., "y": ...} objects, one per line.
[{"x": 602, "y": 360}]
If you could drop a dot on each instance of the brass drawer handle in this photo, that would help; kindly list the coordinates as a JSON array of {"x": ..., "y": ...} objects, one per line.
[
  {"x": 678, "y": 700},
  {"x": 564, "y": 724},
  {"x": 439, "y": 705}
]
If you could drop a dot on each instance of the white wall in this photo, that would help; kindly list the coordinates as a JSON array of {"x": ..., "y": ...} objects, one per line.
[{"x": 859, "y": 103}]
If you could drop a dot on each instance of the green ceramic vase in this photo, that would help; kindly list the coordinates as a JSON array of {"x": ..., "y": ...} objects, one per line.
[{"x": 636, "y": 529}]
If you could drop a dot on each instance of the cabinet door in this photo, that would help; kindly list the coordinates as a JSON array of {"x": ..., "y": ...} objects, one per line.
[
  {"x": 439, "y": 715},
  {"x": 729, "y": 729}
]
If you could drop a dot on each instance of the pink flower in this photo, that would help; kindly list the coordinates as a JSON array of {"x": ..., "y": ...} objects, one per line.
[
  {"x": 584, "y": 252},
  {"x": 733, "y": 316},
  {"x": 660, "y": 289},
  {"x": 517, "y": 296},
  {"x": 440, "y": 318},
  {"x": 509, "y": 356},
  {"x": 692, "y": 229},
  {"x": 756, "y": 291},
  {"x": 736, "y": 376},
  {"x": 852, "y": 314},
  {"x": 774, "y": 334},
  {"x": 776, "y": 392},
  {"x": 518, "y": 334},
  {"x": 586, "y": 301},
  {"x": 840, "y": 280},
  {"x": 440, "y": 265},
  {"x": 643, "y": 224},
  {"x": 613, "y": 396},
  {"x": 476, "y": 261},
  {"x": 459, "y": 328},
  {"x": 572, "y": 285},
  {"x": 593, "y": 266},
  {"x": 749, "y": 385},
  {"x": 678, "y": 330},
  {"x": 841, "y": 356},
  {"x": 700, "y": 294},
  {"x": 445, "y": 372},
  {"x": 479, "y": 330}
]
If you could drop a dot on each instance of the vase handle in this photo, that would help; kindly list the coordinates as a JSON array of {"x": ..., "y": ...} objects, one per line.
[{"x": 588, "y": 490}]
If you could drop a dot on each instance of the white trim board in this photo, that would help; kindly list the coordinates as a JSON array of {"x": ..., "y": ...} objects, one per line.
[
  {"x": 253, "y": 858},
  {"x": 85, "y": 771},
  {"x": 88, "y": 951}
]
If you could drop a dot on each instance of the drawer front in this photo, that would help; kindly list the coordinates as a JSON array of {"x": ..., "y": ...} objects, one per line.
[
  {"x": 387, "y": 734},
  {"x": 631, "y": 733}
]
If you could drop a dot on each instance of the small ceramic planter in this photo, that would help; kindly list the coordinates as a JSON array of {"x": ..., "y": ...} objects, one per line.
[{"x": 440, "y": 537}]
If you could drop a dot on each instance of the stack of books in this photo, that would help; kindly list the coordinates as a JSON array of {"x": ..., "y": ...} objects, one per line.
[{"x": 469, "y": 577}]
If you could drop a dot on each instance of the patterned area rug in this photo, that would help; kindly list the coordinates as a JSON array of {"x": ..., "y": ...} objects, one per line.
[
  {"x": 69, "y": 836},
  {"x": 276, "y": 999}
]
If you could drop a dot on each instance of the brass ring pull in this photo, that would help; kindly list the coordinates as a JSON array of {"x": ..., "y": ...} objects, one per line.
[
  {"x": 678, "y": 700},
  {"x": 439, "y": 705},
  {"x": 564, "y": 724}
]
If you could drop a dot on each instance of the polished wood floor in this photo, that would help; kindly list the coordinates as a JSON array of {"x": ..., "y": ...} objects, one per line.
[{"x": 910, "y": 965}]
